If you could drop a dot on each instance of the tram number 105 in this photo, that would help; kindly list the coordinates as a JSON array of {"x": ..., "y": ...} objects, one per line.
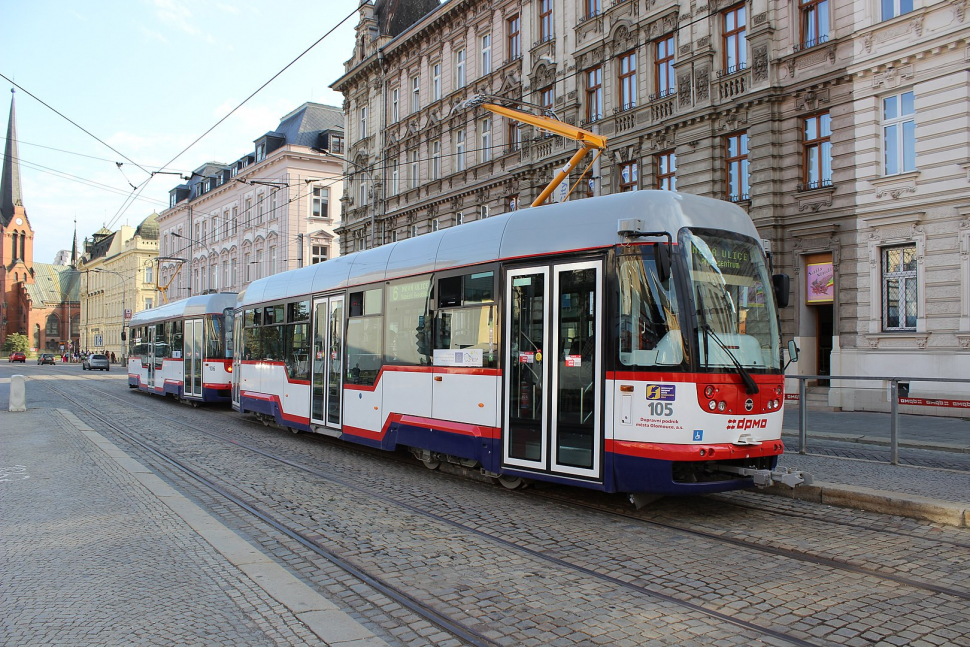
[{"x": 661, "y": 408}]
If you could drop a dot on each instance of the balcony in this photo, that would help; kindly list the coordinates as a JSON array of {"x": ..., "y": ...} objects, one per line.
[{"x": 732, "y": 83}]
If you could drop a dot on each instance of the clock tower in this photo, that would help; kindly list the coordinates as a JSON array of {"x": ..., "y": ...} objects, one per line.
[{"x": 16, "y": 236}]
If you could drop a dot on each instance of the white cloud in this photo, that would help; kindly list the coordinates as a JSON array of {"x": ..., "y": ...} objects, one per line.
[
  {"x": 154, "y": 35},
  {"x": 227, "y": 8},
  {"x": 176, "y": 13}
]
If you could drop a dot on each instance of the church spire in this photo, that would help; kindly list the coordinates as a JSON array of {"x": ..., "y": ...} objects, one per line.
[
  {"x": 10, "y": 195},
  {"x": 74, "y": 248}
]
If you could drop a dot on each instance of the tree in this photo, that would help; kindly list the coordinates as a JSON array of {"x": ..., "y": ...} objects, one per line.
[{"x": 16, "y": 342}]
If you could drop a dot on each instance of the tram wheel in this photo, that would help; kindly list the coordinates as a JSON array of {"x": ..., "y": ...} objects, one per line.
[
  {"x": 432, "y": 464},
  {"x": 510, "y": 482}
]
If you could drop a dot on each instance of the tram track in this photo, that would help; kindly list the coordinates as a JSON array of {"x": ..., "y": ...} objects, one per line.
[
  {"x": 428, "y": 613},
  {"x": 708, "y": 536},
  {"x": 573, "y": 501}
]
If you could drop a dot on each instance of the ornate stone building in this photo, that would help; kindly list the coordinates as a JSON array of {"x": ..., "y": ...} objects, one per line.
[{"x": 839, "y": 125}]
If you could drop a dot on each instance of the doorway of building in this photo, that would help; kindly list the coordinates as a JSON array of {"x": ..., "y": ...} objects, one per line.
[{"x": 825, "y": 331}]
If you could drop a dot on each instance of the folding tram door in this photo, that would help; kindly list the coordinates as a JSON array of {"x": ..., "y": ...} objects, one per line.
[
  {"x": 237, "y": 331},
  {"x": 553, "y": 375},
  {"x": 151, "y": 357},
  {"x": 327, "y": 379},
  {"x": 192, "y": 358}
]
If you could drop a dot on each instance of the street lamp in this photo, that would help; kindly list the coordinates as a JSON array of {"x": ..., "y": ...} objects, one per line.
[{"x": 124, "y": 309}]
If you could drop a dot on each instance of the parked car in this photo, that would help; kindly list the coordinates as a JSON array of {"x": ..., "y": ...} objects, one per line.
[
  {"x": 18, "y": 357},
  {"x": 95, "y": 361},
  {"x": 46, "y": 358}
]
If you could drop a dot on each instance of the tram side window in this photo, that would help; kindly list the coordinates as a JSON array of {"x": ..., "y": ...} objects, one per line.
[
  {"x": 176, "y": 339},
  {"x": 650, "y": 333},
  {"x": 139, "y": 339},
  {"x": 365, "y": 332},
  {"x": 408, "y": 328},
  {"x": 296, "y": 345},
  {"x": 229, "y": 318},
  {"x": 252, "y": 346},
  {"x": 271, "y": 343},
  {"x": 215, "y": 337},
  {"x": 464, "y": 330}
]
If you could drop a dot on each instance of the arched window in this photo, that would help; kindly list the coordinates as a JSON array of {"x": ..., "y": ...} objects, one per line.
[
  {"x": 16, "y": 277},
  {"x": 13, "y": 247},
  {"x": 53, "y": 326},
  {"x": 23, "y": 241}
]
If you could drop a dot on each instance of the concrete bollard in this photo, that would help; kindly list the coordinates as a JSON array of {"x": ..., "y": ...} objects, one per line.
[{"x": 18, "y": 393}]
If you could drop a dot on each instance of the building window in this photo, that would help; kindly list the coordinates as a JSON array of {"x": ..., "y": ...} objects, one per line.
[
  {"x": 249, "y": 212},
  {"x": 666, "y": 79},
  {"x": 460, "y": 69},
  {"x": 272, "y": 260},
  {"x": 248, "y": 264},
  {"x": 629, "y": 177},
  {"x": 899, "y": 289},
  {"x": 594, "y": 94},
  {"x": 53, "y": 326},
  {"x": 260, "y": 152},
  {"x": 259, "y": 208},
  {"x": 893, "y": 8},
  {"x": 514, "y": 138},
  {"x": 336, "y": 144},
  {"x": 319, "y": 254},
  {"x": 485, "y": 130},
  {"x": 735, "y": 45},
  {"x": 149, "y": 274},
  {"x": 272, "y": 205},
  {"x": 395, "y": 177},
  {"x": 363, "y": 123},
  {"x": 899, "y": 132},
  {"x": 235, "y": 220},
  {"x": 436, "y": 159},
  {"x": 547, "y": 97},
  {"x": 460, "y": 150},
  {"x": 225, "y": 224},
  {"x": 545, "y": 20},
  {"x": 486, "y": 54},
  {"x": 436, "y": 81},
  {"x": 815, "y": 22},
  {"x": 817, "y": 151},
  {"x": 435, "y": 224},
  {"x": 514, "y": 37},
  {"x": 213, "y": 277},
  {"x": 593, "y": 8},
  {"x": 736, "y": 156},
  {"x": 395, "y": 105},
  {"x": 414, "y": 231},
  {"x": 459, "y": 218},
  {"x": 321, "y": 202},
  {"x": 232, "y": 272},
  {"x": 215, "y": 228},
  {"x": 415, "y": 94},
  {"x": 361, "y": 190},
  {"x": 413, "y": 171},
  {"x": 226, "y": 277},
  {"x": 148, "y": 304},
  {"x": 259, "y": 263},
  {"x": 628, "y": 81},
  {"x": 483, "y": 212}
]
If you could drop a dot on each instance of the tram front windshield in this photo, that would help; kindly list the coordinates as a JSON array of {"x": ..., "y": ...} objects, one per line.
[{"x": 730, "y": 288}]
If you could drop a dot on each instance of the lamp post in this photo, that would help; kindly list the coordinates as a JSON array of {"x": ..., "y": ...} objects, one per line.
[{"x": 124, "y": 309}]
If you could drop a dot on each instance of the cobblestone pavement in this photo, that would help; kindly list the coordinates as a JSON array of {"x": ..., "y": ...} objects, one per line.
[
  {"x": 515, "y": 596},
  {"x": 127, "y": 571}
]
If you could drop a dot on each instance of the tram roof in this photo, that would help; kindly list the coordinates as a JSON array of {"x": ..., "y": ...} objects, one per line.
[
  {"x": 203, "y": 304},
  {"x": 565, "y": 227}
]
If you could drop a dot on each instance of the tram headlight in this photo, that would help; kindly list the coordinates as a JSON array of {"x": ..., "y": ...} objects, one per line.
[
  {"x": 778, "y": 390},
  {"x": 712, "y": 405},
  {"x": 721, "y": 406},
  {"x": 709, "y": 391}
]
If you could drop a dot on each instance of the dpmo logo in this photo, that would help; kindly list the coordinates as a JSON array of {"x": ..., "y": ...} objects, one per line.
[{"x": 747, "y": 423}]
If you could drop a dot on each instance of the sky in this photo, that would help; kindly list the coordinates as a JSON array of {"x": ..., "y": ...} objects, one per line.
[{"x": 148, "y": 77}]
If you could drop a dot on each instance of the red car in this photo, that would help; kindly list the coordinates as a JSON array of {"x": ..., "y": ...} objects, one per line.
[{"x": 18, "y": 357}]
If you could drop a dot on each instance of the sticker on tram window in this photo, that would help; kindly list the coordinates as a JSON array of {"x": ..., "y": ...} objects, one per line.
[
  {"x": 527, "y": 358},
  {"x": 574, "y": 360},
  {"x": 661, "y": 392}
]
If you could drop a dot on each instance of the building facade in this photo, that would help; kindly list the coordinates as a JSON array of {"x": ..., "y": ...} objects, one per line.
[
  {"x": 839, "y": 126},
  {"x": 272, "y": 210},
  {"x": 39, "y": 300},
  {"x": 117, "y": 279}
]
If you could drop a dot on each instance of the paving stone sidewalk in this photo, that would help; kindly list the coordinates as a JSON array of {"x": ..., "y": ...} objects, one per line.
[{"x": 96, "y": 550}]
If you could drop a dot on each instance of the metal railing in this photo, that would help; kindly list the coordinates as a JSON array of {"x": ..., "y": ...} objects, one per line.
[{"x": 894, "y": 384}]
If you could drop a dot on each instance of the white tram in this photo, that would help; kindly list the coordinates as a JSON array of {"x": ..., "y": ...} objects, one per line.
[
  {"x": 628, "y": 343},
  {"x": 183, "y": 349}
]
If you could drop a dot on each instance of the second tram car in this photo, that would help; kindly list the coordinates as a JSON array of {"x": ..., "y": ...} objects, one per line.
[
  {"x": 629, "y": 343},
  {"x": 183, "y": 349}
]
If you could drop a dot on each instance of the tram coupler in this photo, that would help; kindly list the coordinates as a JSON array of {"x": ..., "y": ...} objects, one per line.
[{"x": 766, "y": 478}]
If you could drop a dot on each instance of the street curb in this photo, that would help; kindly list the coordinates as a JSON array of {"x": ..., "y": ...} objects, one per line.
[
  {"x": 882, "y": 441},
  {"x": 893, "y": 503}
]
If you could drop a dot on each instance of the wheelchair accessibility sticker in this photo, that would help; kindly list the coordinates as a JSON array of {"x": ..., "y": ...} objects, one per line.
[{"x": 698, "y": 434}]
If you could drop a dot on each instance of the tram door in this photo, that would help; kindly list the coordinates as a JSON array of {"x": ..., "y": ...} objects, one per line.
[
  {"x": 151, "y": 357},
  {"x": 192, "y": 357},
  {"x": 237, "y": 330},
  {"x": 553, "y": 323},
  {"x": 327, "y": 378}
]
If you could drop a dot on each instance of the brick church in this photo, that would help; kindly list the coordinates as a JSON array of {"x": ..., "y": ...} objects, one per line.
[{"x": 40, "y": 300}]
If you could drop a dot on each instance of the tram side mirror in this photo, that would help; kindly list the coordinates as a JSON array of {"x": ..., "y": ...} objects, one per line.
[
  {"x": 792, "y": 353},
  {"x": 782, "y": 286},
  {"x": 662, "y": 251}
]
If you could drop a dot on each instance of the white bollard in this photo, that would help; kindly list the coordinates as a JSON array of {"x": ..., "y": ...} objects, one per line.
[{"x": 18, "y": 393}]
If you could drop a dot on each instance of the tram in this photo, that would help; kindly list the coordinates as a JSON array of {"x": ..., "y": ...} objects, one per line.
[
  {"x": 627, "y": 343},
  {"x": 183, "y": 349}
]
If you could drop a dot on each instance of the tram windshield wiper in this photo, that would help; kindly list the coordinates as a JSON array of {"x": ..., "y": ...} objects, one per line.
[{"x": 750, "y": 386}]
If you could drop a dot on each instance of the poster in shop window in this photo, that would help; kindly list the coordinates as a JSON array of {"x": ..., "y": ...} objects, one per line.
[{"x": 820, "y": 278}]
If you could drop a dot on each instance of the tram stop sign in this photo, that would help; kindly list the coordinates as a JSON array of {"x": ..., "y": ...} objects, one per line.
[{"x": 127, "y": 314}]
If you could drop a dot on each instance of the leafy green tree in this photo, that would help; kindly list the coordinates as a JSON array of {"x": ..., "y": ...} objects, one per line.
[{"x": 16, "y": 342}]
